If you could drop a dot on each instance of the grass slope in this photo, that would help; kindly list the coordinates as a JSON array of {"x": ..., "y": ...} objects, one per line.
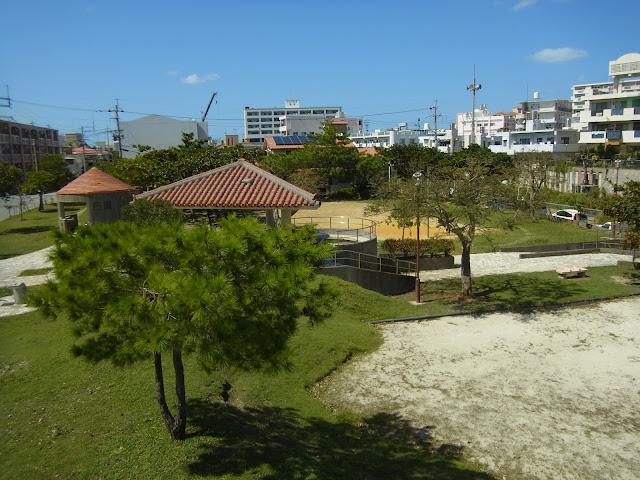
[
  {"x": 66, "y": 418},
  {"x": 32, "y": 233}
]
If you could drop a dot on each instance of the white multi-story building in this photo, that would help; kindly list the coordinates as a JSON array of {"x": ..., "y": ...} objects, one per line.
[
  {"x": 609, "y": 112},
  {"x": 399, "y": 135},
  {"x": 158, "y": 132},
  {"x": 293, "y": 119},
  {"x": 486, "y": 123},
  {"x": 541, "y": 126}
]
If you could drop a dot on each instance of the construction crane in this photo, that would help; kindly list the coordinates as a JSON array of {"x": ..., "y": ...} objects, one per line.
[{"x": 209, "y": 106}]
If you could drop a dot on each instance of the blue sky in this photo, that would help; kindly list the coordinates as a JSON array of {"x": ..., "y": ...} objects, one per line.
[{"x": 65, "y": 63}]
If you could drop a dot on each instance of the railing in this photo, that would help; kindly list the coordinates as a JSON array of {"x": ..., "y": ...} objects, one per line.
[
  {"x": 617, "y": 111},
  {"x": 614, "y": 134},
  {"x": 341, "y": 230},
  {"x": 370, "y": 262},
  {"x": 597, "y": 135}
]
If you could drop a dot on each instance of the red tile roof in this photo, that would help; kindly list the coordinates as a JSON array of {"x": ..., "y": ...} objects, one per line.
[
  {"x": 93, "y": 182},
  {"x": 239, "y": 185}
]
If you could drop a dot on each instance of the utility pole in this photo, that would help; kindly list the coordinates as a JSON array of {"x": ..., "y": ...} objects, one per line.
[
  {"x": 474, "y": 88},
  {"x": 84, "y": 163},
  {"x": 118, "y": 135},
  {"x": 435, "y": 123}
]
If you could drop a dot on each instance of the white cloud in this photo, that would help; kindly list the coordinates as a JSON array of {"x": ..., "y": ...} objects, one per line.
[
  {"x": 172, "y": 72},
  {"x": 558, "y": 55},
  {"x": 520, "y": 4},
  {"x": 195, "y": 78}
]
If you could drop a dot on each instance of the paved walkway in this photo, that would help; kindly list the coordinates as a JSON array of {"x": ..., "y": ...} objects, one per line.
[
  {"x": 10, "y": 270},
  {"x": 481, "y": 264},
  {"x": 508, "y": 262}
]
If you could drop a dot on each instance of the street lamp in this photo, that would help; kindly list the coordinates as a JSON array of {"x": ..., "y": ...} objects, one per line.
[{"x": 418, "y": 178}]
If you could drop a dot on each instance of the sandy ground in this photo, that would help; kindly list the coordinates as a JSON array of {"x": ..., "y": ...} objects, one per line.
[
  {"x": 529, "y": 396},
  {"x": 383, "y": 230}
]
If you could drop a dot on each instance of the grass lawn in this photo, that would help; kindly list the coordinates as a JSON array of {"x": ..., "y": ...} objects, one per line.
[
  {"x": 527, "y": 231},
  {"x": 66, "y": 418},
  {"x": 33, "y": 233}
]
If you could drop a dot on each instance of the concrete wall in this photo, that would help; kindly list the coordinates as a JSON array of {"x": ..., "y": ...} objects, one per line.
[{"x": 381, "y": 282}]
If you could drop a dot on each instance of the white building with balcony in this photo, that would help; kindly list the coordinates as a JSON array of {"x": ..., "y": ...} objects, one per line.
[
  {"x": 540, "y": 126},
  {"x": 293, "y": 119},
  {"x": 609, "y": 112},
  {"x": 399, "y": 135},
  {"x": 486, "y": 123}
]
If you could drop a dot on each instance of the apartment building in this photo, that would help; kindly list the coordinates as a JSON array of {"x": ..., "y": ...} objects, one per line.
[
  {"x": 22, "y": 145},
  {"x": 486, "y": 123},
  {"x": 608, "y": 113},
  {"x": 540, "y": 126},
  {"x": 293, "y": 119},
  {"x": 399, "y": 135}
]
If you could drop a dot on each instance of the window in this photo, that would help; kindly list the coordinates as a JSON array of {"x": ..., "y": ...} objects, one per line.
[
  {"x": 550, "y": 140},
  {"x": 97, "y": 206},
  {"x": 564, "y": 140},
  {"x": 525, "y": 141},
  {"x": 539, "y": 140},
  {"x": 107, "y": 205}
]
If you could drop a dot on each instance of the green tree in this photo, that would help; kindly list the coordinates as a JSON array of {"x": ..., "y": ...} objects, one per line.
[
  {"x": 459, "y": 191},
  {"x": 146, "y": 213},
  {"x": 231, "y": 295},
  {"x": 52, "y": 174},
  {"x": 154, "y": 168},
  {"x": 10, "y": 180},
  {"x": 625, "y": 207}
]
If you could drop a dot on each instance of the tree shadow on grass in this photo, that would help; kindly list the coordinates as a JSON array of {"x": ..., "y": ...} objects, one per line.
[
  {"x": 520, "y": 292},
  {"x": 28, "y": 230},
  {"x": 283, "y": 444}
]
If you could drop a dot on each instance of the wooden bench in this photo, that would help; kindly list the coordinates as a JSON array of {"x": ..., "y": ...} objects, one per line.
[{"x": 572, "y": 272}]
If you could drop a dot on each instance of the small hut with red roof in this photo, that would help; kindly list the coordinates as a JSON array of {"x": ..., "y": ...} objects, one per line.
[{"x": 103, "y": 195}]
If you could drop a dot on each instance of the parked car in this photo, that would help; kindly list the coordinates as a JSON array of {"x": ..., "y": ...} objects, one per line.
[
  {"x": 567, "y": 214},
  {"x": 606, "y": 225}
]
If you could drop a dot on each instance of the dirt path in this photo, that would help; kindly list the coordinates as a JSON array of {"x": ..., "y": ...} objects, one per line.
[{"x": 530, "y": 396}]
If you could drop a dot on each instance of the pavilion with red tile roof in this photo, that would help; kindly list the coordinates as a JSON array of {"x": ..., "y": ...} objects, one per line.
[
  {"x": 103, "y": 195},
  {"x": 236, "y": 186}
]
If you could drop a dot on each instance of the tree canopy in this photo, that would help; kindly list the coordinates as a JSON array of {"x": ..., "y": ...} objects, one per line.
[
  {"x": 459, "y": 190},
  {"x": 229, "y": 296},
  {"x": 154, "y": 168},
  {"x": 10, "y": 179},
  {"x": 52, "y": 174},
  {"x": 625, "y": 207}
]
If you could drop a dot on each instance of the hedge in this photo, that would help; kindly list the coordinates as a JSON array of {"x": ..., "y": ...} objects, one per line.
[{"x": 432, "y": 246}]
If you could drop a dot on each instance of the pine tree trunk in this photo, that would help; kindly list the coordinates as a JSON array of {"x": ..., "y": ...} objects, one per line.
[
  {"x": 465, "y": 270},
  {"x": 175, "y": 425},
  {"x": 181, "y": 400}
]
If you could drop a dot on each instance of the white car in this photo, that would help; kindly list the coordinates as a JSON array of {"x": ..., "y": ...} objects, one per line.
[{"x": 567, "y": 214}]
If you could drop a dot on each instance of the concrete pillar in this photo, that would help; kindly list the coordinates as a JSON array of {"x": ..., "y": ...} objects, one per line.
[
  {"x": 61, "y": 216},
  {"x": 285, "y": 216},
  {"x": 271, "y": 217},
  {"x": 19, "y": 293}
]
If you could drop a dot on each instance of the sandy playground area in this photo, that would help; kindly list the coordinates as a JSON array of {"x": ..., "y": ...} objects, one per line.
[
  {"x": 546, "y": 395},
  {"x": 356, "y": 209}
]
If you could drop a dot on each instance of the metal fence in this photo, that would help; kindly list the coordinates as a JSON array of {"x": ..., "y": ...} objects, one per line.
[
  {"x": 341, "y": 230},
  {"x": 370, "y": 262}
]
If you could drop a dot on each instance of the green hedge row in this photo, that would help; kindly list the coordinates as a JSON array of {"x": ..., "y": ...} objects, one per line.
[{"x": 407, "y": 246}]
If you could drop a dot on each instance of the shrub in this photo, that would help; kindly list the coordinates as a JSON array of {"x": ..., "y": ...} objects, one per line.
[{"x": 407, "y": 246}]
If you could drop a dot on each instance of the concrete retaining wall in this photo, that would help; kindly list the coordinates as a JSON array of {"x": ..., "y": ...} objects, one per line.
[{"x": 381, "y": 282}]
